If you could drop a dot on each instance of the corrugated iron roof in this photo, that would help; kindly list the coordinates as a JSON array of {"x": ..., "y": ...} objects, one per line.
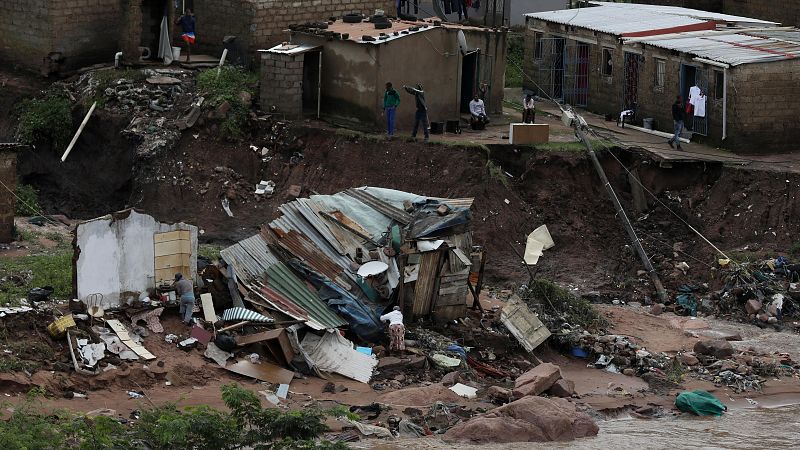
[
  {"x": 735, "y": 49},
  {"x": 334, "y": 353},
  {"x": 281, "y": 279},
  {"x": 624, "y": 18}
]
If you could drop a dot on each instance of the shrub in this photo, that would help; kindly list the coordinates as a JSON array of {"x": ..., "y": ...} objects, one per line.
[
  {"x": 28, "y": 200},
  {"x": 46, "y": 119},
  {"x": 225, "y": 86}
]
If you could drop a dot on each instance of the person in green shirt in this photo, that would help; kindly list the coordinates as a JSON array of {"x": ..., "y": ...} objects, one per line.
[{"x": 391, "y": 100}]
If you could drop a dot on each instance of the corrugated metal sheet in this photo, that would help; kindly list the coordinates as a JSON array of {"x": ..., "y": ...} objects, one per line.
[
  {"x": 381, "y": 206},
  {"x": 283, "y": 280},
  {"x": 334, "y": 353},
  {"x": 622, "y": 18},
  {"x": 734, "y": 49},
  {"x": 249, "y": 257},
  {"x": 302, "y": 248}
]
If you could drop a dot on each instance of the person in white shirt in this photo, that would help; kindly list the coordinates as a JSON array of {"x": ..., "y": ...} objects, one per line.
[
  {"x": 529, "y": 114},
  {"x": 397, "y": 331},
  {"x": 478, "y": 112}
]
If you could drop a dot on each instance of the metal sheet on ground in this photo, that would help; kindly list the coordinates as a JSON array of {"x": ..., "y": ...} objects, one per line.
[{"x": 262, "y": 371}]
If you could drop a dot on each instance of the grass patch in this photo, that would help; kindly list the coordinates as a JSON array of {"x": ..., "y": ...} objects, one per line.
[
  {"x": 557, "y": 305},
  {"x": 210, "y": 251},
  {"x": 28, "y": 202},
  {"x": 45, "y": 119},
  {"x": 26, "y": 235},
  {"x": 514, "y": 59},
  {"x": 247, "y": 425},
  {"x": 225, "y": 86},
  {"x": 47, "y": 269},
  {"x": 13, "y": 364}
]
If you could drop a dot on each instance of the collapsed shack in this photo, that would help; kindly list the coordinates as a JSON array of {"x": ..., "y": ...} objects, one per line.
[{"x": 342, "y": 260}]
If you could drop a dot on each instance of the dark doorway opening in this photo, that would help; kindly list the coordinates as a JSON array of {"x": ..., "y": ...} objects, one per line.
[
  {"x": 469, "y": 84},
  {"x": 630, "y": 95},
  {"x": 311, "y": 83},
  {"x": 153, "y": 11}
]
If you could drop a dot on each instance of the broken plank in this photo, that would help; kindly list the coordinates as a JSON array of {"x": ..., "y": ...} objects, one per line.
[
  {"x": 263, "y": 371},
  {"x": 523, "y": 324},
  {"x": 208, "y": 308}
]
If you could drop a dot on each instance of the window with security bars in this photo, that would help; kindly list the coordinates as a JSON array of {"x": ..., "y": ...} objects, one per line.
[
  {"x": 608, "y": 64},
  {"x": 660, "y": 75},
  {"x": 537, "y": 47}
]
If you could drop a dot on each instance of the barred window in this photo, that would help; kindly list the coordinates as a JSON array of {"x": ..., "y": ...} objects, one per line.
[{"x": 661, "y": 74}]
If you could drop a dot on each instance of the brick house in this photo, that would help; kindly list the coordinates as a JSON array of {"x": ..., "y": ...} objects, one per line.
[
  {"x": 613, "y": 56},
  {"x": 357, "y": 60},
  {"x": 51, "y": 36}
]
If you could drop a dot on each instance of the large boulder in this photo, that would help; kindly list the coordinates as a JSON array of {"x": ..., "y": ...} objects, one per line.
[
  {"x": 718, "y": 348},
  {"x": 562, "y": 388},
  {"x": 537, "y": 380},
  {"x": 529, "y": 419}
]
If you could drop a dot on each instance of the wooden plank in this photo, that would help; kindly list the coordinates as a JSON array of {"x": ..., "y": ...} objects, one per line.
[
  {"x": 453, "y": 290},
  {"x": 208, "y": 308},
  {"x": 276, "y": 341},
  {"x": 177, "y": 260},
  {"x": 523, "y": 324},
  {"x": 168, "y": 275},
  {"x": 123, "y": 335},
  {"x": 172, "y": 236},
  {"x": 173, "y": 247},
  {"x": 427, "y": 280},
  {"x": 263, "y": 371}
]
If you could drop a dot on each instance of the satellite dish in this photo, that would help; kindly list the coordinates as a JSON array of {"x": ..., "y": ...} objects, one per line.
[
  {"x": 462, "y": 42},
  {"x": 372, "y": 268}
]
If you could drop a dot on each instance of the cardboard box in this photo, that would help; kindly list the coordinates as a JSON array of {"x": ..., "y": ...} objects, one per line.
[{"x": 528, "y": 133}]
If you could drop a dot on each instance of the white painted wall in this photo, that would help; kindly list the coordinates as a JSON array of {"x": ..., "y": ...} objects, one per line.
[{"x": 118, "y": 256}]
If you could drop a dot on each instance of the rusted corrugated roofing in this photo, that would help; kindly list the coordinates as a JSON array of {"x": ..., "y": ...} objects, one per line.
[{"x": 281, "y": 279}]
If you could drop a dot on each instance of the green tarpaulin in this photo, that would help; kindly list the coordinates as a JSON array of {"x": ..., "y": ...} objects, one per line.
[{"x": 701, "y": 403}]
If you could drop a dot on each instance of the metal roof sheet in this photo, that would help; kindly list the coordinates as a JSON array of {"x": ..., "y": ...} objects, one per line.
[
  {"x": 281, "y": 279},
  {"x": 624, "y": 18},
  {"x": 735, "y": 49}
]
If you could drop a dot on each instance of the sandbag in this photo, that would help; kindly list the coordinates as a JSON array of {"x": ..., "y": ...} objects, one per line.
[{"x": 701, "y": 403}]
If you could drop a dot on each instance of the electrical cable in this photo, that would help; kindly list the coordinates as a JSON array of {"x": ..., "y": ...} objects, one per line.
[{"x": 38, "y": 211}]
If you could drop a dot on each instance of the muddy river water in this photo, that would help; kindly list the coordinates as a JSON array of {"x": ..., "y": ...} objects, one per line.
[{"x": 752, "y": 428}]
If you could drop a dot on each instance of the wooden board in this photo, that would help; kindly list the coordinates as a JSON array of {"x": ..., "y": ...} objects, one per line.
[
  {"x": 172, "y": 236},
  {"x": 263, "y": 371},
  {"x": 529, "y": 133},
  {"x": 523, "y": 324},
  {"x": 427, "y": 281},
  {"x": 275, "y": 341},
  {"x": 208, "y": 308},
  {"x": 173, "y": 247},
  {"x": 122, "y": 334},
  {"x": 177, "y": 260}
]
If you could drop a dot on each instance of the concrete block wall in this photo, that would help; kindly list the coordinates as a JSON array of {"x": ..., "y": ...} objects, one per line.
[
  {"x": 282, "y": 83},
  {"x": 8, "y": 176},
  {"x": 24, "y": 32},
  {"x": 260, "y": 24}
]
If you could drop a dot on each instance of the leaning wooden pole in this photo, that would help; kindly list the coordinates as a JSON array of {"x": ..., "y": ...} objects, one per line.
[{"x": 626, "y": 223}]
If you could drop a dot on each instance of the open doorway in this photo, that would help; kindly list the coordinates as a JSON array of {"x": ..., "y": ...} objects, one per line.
[
  {"x": 630, "y": 92},
  {"x": 469, "y": 82},
  {"x": 153, "y": 11},
  {"x": 311, "y": 82},
  {"x": 692, "y": 76}
]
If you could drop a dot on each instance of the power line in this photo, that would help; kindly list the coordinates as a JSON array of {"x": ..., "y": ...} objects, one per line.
[{"x": 35, "y": 210}]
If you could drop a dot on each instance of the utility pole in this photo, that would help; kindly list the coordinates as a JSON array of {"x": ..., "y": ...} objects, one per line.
[{"x": 662, "y": 294}]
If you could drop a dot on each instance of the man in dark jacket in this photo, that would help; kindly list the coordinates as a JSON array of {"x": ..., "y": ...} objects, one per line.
[
  {"x": 677, "y": 118},
  {"x": 421, "y": 116},
  {"x": 391, "y": 100}
]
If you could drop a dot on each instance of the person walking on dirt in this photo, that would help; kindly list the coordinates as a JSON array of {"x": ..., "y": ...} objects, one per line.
[
  {"x": 187, "y": 22},
  {"x": 185, "y": 290},
  {"x": 677, "y": 118},
  {"x": 397, "y": 331},
  {"x": 391, "y": 100},
  {"x": 421, "y": 116},
  {"x": 529, "y": 112}
]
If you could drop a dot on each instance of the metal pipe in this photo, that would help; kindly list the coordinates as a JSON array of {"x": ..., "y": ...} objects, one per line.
[
  {"x": 724, "y": 104},
  {"x": 319, "y": 84},
  {"x": 662, "y": 294},
  {"x": 117, "y": 56}
]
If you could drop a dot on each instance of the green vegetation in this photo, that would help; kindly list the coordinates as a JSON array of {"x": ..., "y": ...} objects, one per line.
[
  {"x": 45, "y": 119},
  {"x": 557, "y": 305},
  {"x": 27, "y": 272},
  {"x": 226, "y": 86},
  {"x": 247, "y": 425},
  {"x": 28, "y": 201},
  {"x": 514, "y": 60},
  {"x": 794, "y": 250},
  {"x": 210, "y": 251}
]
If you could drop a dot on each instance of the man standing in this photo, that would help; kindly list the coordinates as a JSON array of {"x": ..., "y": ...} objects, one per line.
[
  {"x": 677, "y": 118},
  {"x": 397, "y": 331},
  {"x": 529, "y": 113},
  {"x": 187, "y": 22},
  {"x": 421, "y": 116},
  {"x": 478, "y": 112},
  {"x": 391, "y": 100},
  {"x": 185, "y": 290}
]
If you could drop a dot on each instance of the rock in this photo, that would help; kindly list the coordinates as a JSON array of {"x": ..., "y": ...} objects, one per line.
[
  {"x": 536, "y": 380},
  {"x": 763, "y": 317},
  {"x": 752, "y": 306},
  {"x": 717, "y": 348},
  {"x": 221, "y": 111},
  {"x": 451, "y": 378},
  {"x": 562, "y": 388},
  {"x": 689, "y": 360},
  {"x": 657, "y": 309},
  {"x": 499, "y": 394},
  {"x": 629, "y": 372},
  {"x": 246, "y": 98},
  {"x": 529, "y": 419},
  {"x": 729, "y": 365}
]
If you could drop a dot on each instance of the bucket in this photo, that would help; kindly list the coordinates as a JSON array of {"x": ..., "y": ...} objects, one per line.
[
  {"x": 648, "y": 123},
  {"x": 60, "y": 325},
  {"x": 176, "y": 53}
]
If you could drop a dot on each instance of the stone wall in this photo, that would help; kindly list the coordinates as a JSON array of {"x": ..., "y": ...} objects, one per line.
[
  {"x": 260, "y": 24},
  {"x": 282, "y": 83},
  {"x": 8, "y": 177}
]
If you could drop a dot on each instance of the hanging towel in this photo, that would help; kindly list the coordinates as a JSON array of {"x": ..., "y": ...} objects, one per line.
[
  {"x": 694, "y": 92},
  {"x": 164, "y": 46},
  {"x": 700, "y": 106}
]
